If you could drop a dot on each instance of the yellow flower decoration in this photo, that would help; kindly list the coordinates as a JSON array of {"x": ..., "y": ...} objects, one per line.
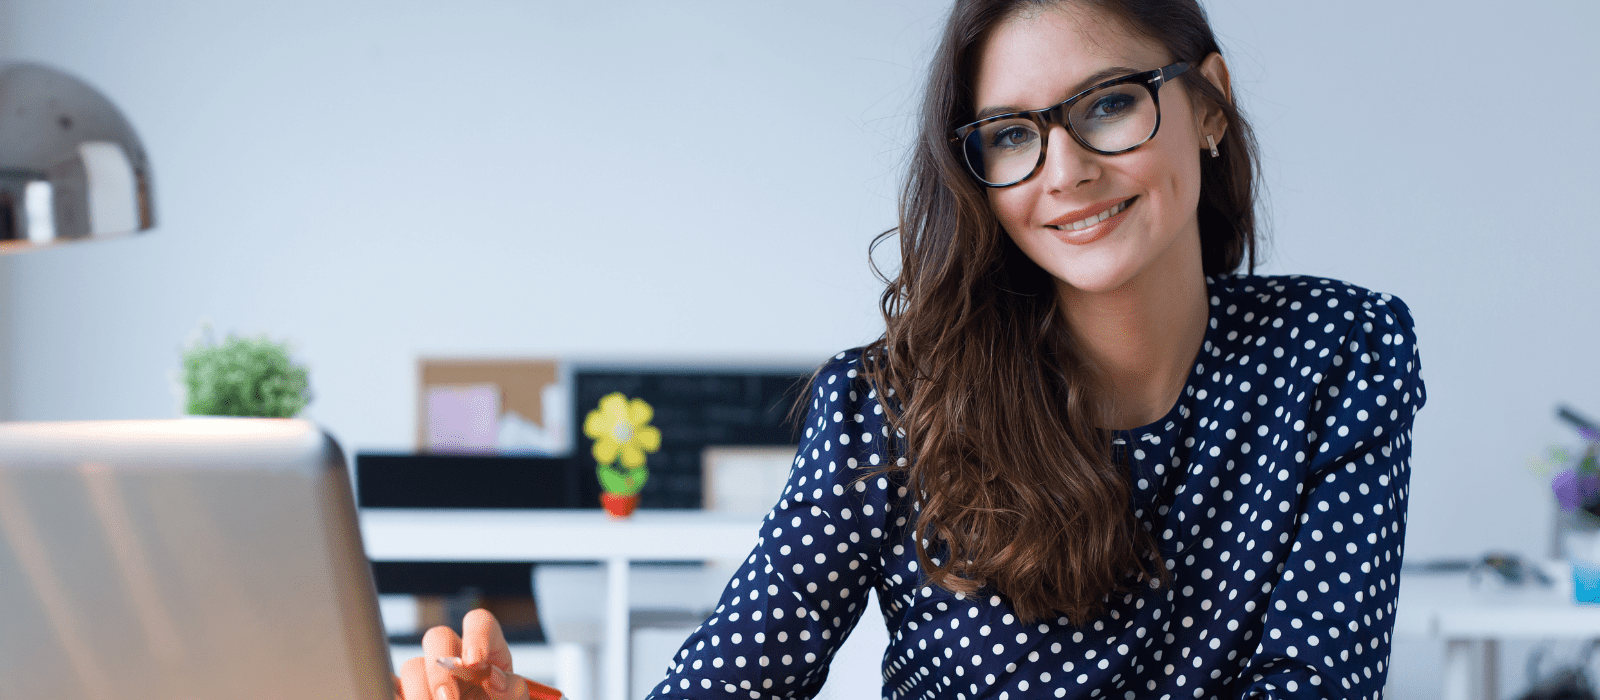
[{"x": 621, "y": 427}]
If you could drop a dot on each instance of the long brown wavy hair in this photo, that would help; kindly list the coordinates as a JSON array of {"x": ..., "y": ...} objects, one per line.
[{"x": 1018, "y": 486}]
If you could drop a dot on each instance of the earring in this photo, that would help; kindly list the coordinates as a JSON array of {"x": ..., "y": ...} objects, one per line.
[{"x": 1213, "y": 144}]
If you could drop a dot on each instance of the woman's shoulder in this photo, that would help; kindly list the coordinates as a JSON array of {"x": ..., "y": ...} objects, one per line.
[
  {"x": 1306, "y": 328},
  {"x": 844, "y": 407},
  {"x": 847, "y": 365},
  {"x": 1277, "y": 291},
  {"x": 1310, "y": 329},
  {"x": 843, "y": 379},
  {"x": 1267, "y": 306}
]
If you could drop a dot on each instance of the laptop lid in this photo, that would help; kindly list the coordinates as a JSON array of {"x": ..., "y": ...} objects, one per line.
[{"x": 191, "y": 558}]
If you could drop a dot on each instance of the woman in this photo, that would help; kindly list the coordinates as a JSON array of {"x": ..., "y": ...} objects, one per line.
[{"x": 1085, "y": 459}]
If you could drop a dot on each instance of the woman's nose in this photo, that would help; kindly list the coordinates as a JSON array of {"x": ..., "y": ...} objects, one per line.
[{"x": 1067, "y": 164}]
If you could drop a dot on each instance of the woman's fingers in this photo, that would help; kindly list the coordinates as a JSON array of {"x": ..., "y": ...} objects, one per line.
[
  {"x": 474, "y": 666},
  {"x": 482, "y": 641},
  {"x": 439, "y": 642},
  {"x": 414, "y": 680}
]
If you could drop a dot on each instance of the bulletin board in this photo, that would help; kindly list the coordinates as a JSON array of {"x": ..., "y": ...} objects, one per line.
[{"x": 520, "y": 384}]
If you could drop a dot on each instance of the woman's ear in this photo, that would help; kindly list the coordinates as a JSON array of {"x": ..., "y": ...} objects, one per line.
[{"x": 1210, "y": 119}]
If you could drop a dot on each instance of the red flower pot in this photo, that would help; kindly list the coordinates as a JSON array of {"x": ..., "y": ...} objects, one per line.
[{"x": 620, "y": 507}]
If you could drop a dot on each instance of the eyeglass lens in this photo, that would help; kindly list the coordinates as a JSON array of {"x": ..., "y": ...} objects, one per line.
[{"x": 1114, "y": 118}]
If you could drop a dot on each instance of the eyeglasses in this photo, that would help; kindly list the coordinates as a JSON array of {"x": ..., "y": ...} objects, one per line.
[{"x": 1112, "y": 117}]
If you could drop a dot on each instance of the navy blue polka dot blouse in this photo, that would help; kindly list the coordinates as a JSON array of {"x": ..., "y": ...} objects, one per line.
[{"x": 1276, "y": 488}]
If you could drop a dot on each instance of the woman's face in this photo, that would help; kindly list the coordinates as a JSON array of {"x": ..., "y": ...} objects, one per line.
[{"x": 1039, "y": 59}]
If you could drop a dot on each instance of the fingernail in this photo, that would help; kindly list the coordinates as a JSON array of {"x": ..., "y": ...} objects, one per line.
[
  {"x": 442, "y": 693},
  {"x": 497, "y": 679},
  {"x": 449, "y": 662}
]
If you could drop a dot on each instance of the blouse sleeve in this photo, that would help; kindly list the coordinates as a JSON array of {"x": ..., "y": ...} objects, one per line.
[
  {"x": 801, "y": 591},
  {"x": 1326, "y": 631}
]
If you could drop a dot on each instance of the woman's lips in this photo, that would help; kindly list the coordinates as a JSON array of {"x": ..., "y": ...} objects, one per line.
[{"x": 1092, "y": 232}]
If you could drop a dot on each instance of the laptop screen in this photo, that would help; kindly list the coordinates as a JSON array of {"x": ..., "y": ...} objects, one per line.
[{"x": 191, "y": 558}]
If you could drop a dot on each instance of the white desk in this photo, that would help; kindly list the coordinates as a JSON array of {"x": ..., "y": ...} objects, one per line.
[
  {"x": 1440, "y": 606},
  {"x": 1472, "y": 622},
  {"x": 555, "y": 535}
]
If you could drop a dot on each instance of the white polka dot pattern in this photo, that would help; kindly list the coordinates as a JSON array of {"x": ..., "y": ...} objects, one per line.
[{"x": 1276, "y": 488}]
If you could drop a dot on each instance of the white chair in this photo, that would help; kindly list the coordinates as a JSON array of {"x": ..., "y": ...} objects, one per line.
[{"x": 665, "y": 601}]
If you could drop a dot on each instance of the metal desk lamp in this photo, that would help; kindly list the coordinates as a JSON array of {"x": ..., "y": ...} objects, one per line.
[{"x": 71, "y": 167}]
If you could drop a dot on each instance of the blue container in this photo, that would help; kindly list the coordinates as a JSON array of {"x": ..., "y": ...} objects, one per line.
[{"x": 1586, "y": 582}]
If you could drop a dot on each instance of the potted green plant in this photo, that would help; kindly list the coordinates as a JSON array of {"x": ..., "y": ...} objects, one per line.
[{"x": 243, "y": 377}]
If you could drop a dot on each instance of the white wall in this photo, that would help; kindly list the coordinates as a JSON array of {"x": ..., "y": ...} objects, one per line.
[{"x": 378, "y": 180}]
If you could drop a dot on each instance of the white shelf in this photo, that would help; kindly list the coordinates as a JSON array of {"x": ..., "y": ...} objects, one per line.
[{"x": 554, "y": 535}]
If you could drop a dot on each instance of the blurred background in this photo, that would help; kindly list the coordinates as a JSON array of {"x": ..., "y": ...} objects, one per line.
[{"x": 380, "y": 181}]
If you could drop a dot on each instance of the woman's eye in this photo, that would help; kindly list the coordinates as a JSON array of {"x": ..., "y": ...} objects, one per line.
[
  {"x": 1015, "y": 136},
  {"x": 1110, "y": 106}
]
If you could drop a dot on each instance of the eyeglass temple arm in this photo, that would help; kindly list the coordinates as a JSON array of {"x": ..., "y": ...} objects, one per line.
[{"x": 1167, "y": 73}]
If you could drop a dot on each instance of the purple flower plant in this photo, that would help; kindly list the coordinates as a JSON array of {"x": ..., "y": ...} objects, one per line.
[
  {"x": 1578, "y": 486},
  {"x": 1574, "y": 490}
]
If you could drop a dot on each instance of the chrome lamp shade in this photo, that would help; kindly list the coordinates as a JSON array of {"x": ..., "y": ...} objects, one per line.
[{"x": 71, "y": 167}]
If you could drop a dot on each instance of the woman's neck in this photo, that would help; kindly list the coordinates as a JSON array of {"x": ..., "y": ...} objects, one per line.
[{"x": 1143, "y": 337}]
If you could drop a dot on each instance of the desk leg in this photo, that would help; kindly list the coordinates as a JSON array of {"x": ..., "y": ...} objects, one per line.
[
  {"x": 1489, "y": 670},
  {"x": 615, "y": 682},
  {"x": 1471, "y": 670}
]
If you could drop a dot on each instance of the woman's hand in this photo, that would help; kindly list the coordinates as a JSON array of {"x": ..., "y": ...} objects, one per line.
[{"x": 481, "y": 661}]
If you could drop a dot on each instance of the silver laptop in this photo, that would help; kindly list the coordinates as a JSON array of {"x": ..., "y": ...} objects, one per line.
[{"x": 176, "y": 559}]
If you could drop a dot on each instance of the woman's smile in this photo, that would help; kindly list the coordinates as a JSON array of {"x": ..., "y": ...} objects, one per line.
[{"x": 1072, "y": 229}]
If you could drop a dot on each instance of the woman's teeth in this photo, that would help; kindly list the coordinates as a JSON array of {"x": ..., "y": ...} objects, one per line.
[{"x": 1097, "y": 218}]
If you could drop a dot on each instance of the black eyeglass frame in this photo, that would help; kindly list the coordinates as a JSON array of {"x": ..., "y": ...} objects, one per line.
[{"x": 1057, "y": 114}]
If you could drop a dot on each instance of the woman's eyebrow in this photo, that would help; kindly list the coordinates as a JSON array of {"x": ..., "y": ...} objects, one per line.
[{"x": 1096, "y": 77}]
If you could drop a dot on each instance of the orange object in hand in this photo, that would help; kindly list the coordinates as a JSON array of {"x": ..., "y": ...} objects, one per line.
[
  {"x": 477, "y": 673},
  {"x": 540, "y": 691}
]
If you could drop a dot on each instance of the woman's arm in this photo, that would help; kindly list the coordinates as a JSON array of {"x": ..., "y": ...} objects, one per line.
[
  {"x": 801, "y": 591},
  {"x": 1326, "y": 630}
]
